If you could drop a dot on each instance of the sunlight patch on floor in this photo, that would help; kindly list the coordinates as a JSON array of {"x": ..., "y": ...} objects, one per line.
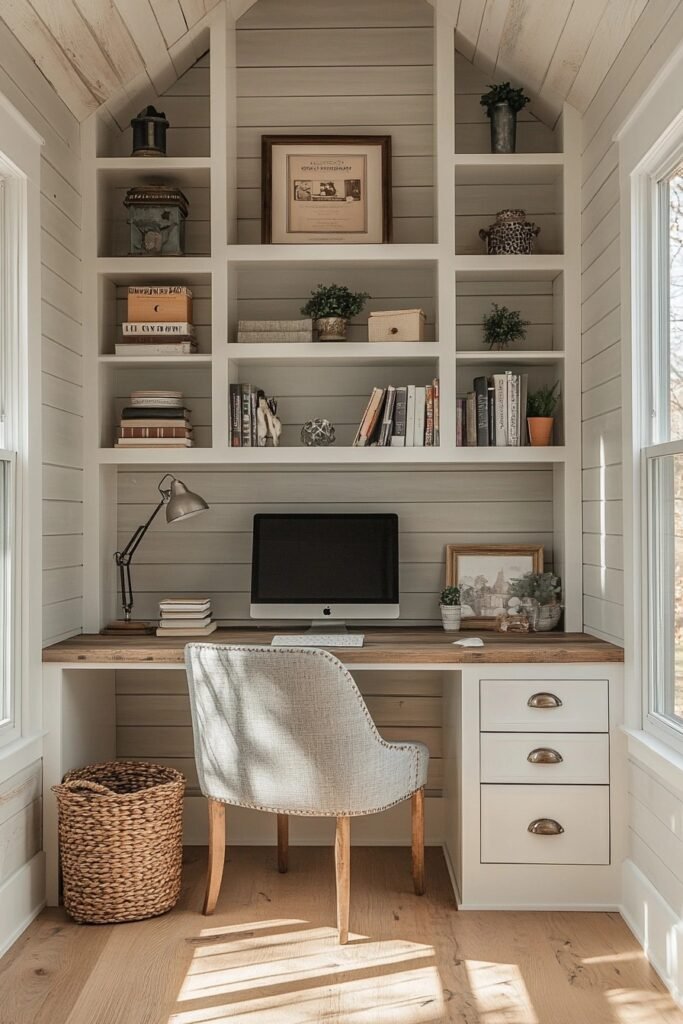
[
  {"x": 500, "y": 990},
  {"x": 283, "y": 972},
  {"x": 639, "y": 1006}
]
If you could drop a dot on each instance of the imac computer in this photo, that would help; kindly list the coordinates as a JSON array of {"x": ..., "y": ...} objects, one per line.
[{"x": 325, "y": 568}]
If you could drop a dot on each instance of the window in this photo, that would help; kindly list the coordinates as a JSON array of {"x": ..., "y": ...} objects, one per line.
[{"x": 664, "y": 454}]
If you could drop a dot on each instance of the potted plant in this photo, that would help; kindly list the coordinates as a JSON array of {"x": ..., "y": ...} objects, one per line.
[
  {"x": 540, "y": 596},
  {"x": 451, "y": 612},
  {"x": 332, "y": 306},
  {"x": 503, "y": 103},
  {"x": 540, "y": 413},
  {"x": 503, "y": 326}
]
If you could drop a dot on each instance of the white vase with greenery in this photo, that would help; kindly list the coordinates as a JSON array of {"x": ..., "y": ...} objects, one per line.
[{"x": 451, "y": 611}]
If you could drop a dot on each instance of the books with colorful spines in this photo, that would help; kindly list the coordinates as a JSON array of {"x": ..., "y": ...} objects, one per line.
[
  {"x": 370, "y": 418},
  {"x": 398, "y": 434},
  {"x": 384, "y": 438},
  {"x": 437, "y": 411},
  {"x": 429, "y": 416},
  {"x": 191, "y": 631}
]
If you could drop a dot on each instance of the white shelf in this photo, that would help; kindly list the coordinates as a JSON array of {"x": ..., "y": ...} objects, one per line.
[
  {"x": 127, "y": 269},
  {"x": 333, "y": 456},
  {"x": 546, "y": 358},
  {"x": 311, "y": 255},
  {"x": 509, "y": 159},
  {"x": 152, "y": 361},
  {"x": 183, "y": 171},
  {"x": 338, "y": 353},
  {"x": 512, "y": 268}
]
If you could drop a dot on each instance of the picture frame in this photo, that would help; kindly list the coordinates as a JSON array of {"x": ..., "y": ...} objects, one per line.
[
  {"x": 326, "y": 189},
  {"x": 497, "y": 564}
]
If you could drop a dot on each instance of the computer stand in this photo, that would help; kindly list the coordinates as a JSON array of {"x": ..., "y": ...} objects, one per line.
[{"x": 327, "y": 626}]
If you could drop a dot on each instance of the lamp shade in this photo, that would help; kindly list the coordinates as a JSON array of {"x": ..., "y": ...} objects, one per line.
[{"x": 183, "y": 503}]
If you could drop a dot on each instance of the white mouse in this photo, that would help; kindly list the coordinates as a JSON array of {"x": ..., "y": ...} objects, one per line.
[{"x": 470, "y": 641}]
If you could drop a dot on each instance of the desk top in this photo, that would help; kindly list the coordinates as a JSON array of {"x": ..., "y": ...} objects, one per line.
[{"x": 424, "y": 646}]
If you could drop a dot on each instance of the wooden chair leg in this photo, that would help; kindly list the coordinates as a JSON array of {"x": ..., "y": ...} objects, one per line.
[
  {"x": 417, "y": 808},
  {"x": 216, "y": 854},
  {"x": 282, "y": 843},
  {"x": 342, "y": 863}
]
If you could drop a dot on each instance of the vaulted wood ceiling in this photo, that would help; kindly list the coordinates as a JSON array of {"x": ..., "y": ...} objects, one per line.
[{"x": 93, "y": 50}]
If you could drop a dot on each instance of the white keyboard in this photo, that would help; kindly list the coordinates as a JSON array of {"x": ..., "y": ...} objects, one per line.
[{"x": 318, "y": 640}]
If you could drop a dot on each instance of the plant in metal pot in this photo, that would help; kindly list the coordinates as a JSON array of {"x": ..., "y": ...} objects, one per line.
[
  {"x": 502, "y": 104},
  {"x": 540, "y": 595},
  {"x": 451, "y": 612},
  {"x": 502, "y": 326},
  {"x": 540, "y": 413},
  {"x": 332, "y": 306}
]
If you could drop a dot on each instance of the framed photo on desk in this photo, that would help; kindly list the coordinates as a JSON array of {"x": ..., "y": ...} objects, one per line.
[
  {"x": 483, "y": 572},
  {"x": 326, "y": 189}
]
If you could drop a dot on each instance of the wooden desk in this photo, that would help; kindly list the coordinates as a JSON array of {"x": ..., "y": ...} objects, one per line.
[
  {"x": 386, "y": 646},
  {"x": 488, "y": 784}
]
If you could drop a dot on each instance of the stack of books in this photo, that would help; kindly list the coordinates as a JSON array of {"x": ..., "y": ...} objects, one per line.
[
  {"x": 159, "y": 322},
  {"x": 185, "y": 616},
  {"x": 243, "y": 406},
  {"x": 155, "y": 419},
  {"x": 493, "y": 414},
  {"x": 405, "y": 417},
  {"x": 274, "y": 332}
]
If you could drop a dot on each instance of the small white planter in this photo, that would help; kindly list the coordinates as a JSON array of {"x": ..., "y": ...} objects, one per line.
[{"x": 451, "y": 615}]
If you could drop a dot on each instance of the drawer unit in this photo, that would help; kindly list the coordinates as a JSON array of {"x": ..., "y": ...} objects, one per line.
[
  {"x": 545, "y": 758},
  {"x": 545, "y": 825},
  {"x": 557, "y": 705}
]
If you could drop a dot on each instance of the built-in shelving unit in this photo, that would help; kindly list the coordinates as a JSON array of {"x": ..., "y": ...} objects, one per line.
[{"x": 451, "y": 278}]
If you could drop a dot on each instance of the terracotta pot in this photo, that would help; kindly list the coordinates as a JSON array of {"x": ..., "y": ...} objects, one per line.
[
  {"x": 451, "y": 615},
  {"x": 540, "y": 430},
  {"x": 331, "y": 328}
]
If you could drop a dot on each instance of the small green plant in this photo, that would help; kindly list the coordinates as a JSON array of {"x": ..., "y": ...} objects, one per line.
[
  {"x": 503, "y": 326},
  {"x": 450, "y": 596},
  {"x": 334, "y": 300},
  {"x": 542, "y": 403},
  {"x": 504, "y": 93},
  {"x": 544, "y": 587}
]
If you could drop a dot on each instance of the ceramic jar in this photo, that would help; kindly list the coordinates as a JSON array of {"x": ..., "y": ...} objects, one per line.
[
  {"x": 510, "y": 234},
  {"x": 331, "y": 328},
  {"x": 451, "y": 616}
]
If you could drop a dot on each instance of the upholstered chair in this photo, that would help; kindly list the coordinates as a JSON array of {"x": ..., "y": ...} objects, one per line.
[{"x": 286, "y": 730}]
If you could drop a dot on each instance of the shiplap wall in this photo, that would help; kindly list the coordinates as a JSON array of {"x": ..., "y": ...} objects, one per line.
[
  {"x": 364, "y": 68},
  {"x": 653, "y": 875},
  {"x": 25, "y": 87},
  {"x": 21, "y": 816}
]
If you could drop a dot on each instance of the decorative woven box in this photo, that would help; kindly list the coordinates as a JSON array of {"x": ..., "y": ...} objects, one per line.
[
  {"x": 397, "y": 325},
  {"x": 172, "y": 304}
]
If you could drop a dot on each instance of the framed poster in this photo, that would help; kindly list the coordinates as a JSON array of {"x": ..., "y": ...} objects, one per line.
[
  {"x": 483, "y": 573},
  {"x": 326, "y": 189}
]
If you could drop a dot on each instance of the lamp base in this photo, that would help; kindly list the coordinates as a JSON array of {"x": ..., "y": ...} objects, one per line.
[{"x": 122, "y": 628}]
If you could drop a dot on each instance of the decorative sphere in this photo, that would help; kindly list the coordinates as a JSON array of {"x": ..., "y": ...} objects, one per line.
[{"x": 317, "y": 433}]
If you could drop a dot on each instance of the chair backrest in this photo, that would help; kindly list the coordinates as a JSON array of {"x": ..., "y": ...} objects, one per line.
[{"x": 283, "y": 730}]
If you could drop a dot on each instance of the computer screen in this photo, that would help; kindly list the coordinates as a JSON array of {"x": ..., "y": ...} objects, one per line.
[{"x": 327, "y": 559}]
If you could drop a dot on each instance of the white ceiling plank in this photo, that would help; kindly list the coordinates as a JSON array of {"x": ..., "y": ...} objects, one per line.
[
  {"x": 467, "y": 29},
  {"x": 532, "y": 31},
  {"x": 113, "y": 36},
  {"x": 490, "y": 35},
  {"x": 144, "y": 28},
  {"x": 169, "y": 14},
  {"x": 194, "y": 10},
  {"x": 73, "y": 35},
  {"x": 614, "y": 28},
  {"x": 578, "y": 31},
  {"x": 23, "y": 22},
  {"x": 190, "y": 48}
]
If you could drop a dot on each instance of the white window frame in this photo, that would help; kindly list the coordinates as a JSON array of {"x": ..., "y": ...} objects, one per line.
[
  {"x": 650, "y": 142},
  {"x": 21, "y": 431}
]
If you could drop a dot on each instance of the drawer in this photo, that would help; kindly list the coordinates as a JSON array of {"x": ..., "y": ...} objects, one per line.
[
  {"x": 557, "y": 705},
  {"x": 581, "y": 811},
  {"x": 545, "y": 758}
]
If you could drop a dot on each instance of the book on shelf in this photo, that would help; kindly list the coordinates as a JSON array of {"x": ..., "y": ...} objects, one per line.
[
  {"x": 156, "y": 430},
  {"x": 155, "y": 412},
  {"x": 243, "y": 405},
  {"x": 151, "y": 348},
  {"x": 492, "y": 414},
  {"x": 156, "y": 329},
  {"x": 184, "y": 604},
  {"x": 148, "y": 423},
  {"x": 258, "y": 326},
  {"x": 185, "y": 616},
  {"x": 399, "y": 417},
  {"x": 274, "y": 337}
]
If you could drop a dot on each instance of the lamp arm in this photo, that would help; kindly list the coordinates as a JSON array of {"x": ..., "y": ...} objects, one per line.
[{"x": 123, "y": 559}]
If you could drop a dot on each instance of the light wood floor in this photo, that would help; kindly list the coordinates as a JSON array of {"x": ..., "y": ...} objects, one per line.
[{"x": 269, "y": 956}]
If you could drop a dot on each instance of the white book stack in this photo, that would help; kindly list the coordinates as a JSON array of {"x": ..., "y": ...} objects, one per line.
[{"x": 185, "y": 616}]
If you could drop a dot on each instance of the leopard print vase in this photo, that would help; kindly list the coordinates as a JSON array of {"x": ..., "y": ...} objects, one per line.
[{"x": 511, "y": 234}]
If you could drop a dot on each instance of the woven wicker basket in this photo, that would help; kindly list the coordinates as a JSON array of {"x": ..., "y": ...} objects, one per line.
[{"x": 120, "y": 840}]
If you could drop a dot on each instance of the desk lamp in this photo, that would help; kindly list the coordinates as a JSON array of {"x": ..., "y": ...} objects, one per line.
[{"x": 180, "y": 504}]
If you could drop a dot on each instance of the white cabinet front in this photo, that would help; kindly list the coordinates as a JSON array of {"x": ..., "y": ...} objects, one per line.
[
  {"x": 557, "y": 705},
  {"x": 545, "y": 758},
  {"x": 545, "y": 825}
]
